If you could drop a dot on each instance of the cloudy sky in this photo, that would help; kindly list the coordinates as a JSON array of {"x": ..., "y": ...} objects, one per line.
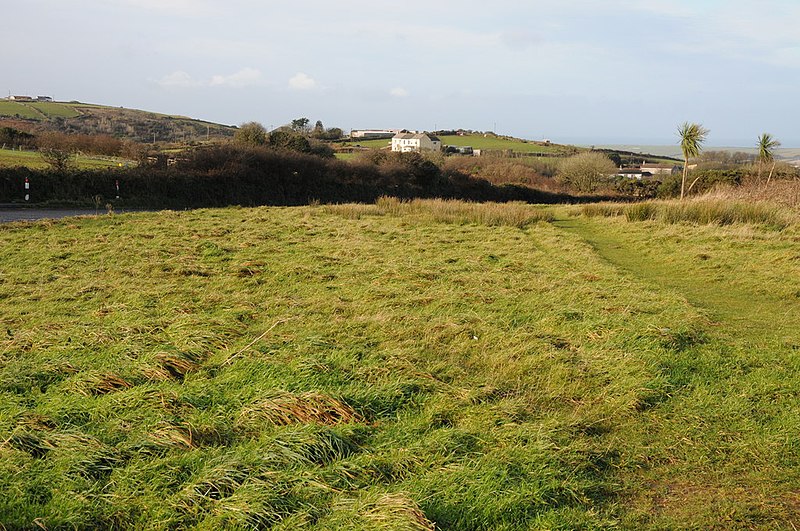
[{"x": 591, "y": 71}]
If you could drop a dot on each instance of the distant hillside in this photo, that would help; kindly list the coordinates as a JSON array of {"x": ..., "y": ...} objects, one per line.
[{"x": 85, "y": 118}]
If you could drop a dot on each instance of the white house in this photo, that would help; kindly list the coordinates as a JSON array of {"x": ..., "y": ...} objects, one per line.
[
  {"x": 660, "y": 169},
  {"x": 406, "y": 142}
]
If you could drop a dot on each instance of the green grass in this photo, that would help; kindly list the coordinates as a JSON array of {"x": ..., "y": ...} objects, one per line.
[
  {"x": 32, "y": 159},
  {"x": 374, "y": 144},
  {"x": 13, "y": 109},
  {"x": 396, "y": 366},
  {"x": 497, "y": 143},
  {"x": 477, "y": 142},
  {"x": 56, "y": 110}
]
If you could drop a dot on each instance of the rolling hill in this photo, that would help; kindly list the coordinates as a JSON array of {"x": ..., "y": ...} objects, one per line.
[{"x": 87, "y": 118}]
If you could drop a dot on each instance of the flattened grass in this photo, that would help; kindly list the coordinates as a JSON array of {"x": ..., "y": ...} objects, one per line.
[{"x": 417, "y": 364}]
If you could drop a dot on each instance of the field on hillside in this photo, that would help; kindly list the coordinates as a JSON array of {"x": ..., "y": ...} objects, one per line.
[
  {"x": 477, "y": 142},
  {"x": 401, "y": 366},
  {"x": 14, "y": 109},
  {"x": 32, "y": 159},
  {"x": 498, "y": 143},
  {"x": 92, "y": 119}
]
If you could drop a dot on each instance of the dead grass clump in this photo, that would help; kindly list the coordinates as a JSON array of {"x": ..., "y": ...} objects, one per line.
[
  {"x": 37, "y": 422},
  {"x": 156, "y": 374},
  {"x": 310, "y": 407},
  {"x": 180, "y": 364},
  {"x": 169, "y": 436},
  {"x": 102, "y": 384},
  {"x": 389, "y": 511}
]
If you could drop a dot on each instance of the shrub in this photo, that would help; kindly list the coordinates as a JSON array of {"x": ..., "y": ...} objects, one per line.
[{"x": 585, "y": 172}]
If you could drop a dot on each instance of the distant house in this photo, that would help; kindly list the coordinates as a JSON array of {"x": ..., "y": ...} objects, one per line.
[
  {"x": 634, "y": 173},
  {"x": 367, "y": 134},
  {"x": 416, "y": 142},
  {"x": 20, "y": 98},
  {"x": 660, "y": 169}
]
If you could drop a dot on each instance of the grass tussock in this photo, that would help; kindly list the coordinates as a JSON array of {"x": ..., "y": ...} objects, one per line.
[
  {"x": 309, "y": 407},
  {"x": 102, "y": 384},
  {"x": 704, "y": 211},
  {"x": 513, "y": 214},
  {"x": 387, "y": 511},
  {"x": 177, "y": 365}
]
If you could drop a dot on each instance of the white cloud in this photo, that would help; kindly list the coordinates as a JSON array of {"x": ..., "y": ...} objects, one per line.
[
  {"x": 301, "y": 81},
  {"x": 179, "y": 78},
  {"x": 243, "y": 78},
  {"x": 399, "y": 92}
]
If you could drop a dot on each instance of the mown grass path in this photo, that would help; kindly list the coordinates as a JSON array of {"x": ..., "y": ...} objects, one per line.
[
  {"x": 722, "y": 286},
  {"x": 727, "y": 416}
]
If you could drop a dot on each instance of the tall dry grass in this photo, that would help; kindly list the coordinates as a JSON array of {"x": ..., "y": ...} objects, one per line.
[
  {"x": 514, "y": 214},
  {"x": 782, "y": 192},
  {"x": 704, "y": 210}
]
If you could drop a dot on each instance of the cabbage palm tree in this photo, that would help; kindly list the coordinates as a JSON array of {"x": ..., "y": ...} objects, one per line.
[
  {"x": 692, "y": 138},
  {"x": 766, "y": 153}
]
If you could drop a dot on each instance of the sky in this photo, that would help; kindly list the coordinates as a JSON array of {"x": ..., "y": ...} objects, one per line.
[{"x": 579, "y": 71}]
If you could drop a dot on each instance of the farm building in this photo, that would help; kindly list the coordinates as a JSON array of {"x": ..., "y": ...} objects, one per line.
[
  {"x": 20, "y": 98},
  {"x": 373, "y": 133},
  {"x": 660, "y": 169},
  {"x": 405, "y": 142},
  {"x": 633, "y": 173}
]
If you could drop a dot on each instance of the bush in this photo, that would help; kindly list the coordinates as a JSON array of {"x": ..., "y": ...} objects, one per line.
[{"x": 585, "y": 172}]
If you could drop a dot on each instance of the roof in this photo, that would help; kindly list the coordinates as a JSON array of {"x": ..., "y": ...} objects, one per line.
[{"x": 417, "y": 136}]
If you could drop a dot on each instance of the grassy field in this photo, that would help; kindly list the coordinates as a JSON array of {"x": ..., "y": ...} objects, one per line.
[
  {"x": 496, "y": 143},
  {"x": 32, "y": 159},
  {"x": 477, "y": 142},
  {"x": 400, "y": 365},
  {"x": 56, "y": 110},
  {"x": 13, "y": 109}
]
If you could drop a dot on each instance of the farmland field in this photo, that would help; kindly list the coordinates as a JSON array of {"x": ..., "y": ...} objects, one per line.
[
  {"x": 477, "y": 142},
  {"x": 56, "y": 110},
  {"x": 32, "y": 159},
  {"x": 400, "y": 366},
  {"x": 12, "y": 108},
  {"x": 497, "y": 143}
]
